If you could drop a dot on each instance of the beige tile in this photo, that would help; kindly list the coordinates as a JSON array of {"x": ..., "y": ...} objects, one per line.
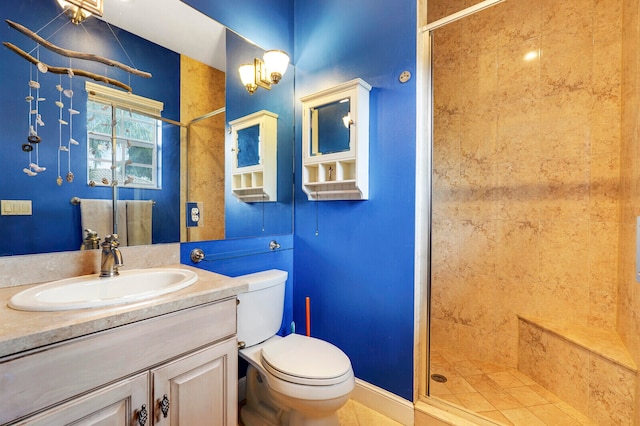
[
  {"x": 449, "y": 398},
  {"x": 356, "y": 414},
  {"x": 438, "y": 388},
  {"x": 522, "y": 417},
  {"x": 347, "y": 415},
  {"x": 505, "y": 379},
  {"x": 501, "y": 400},
  {"x": 466, "y": 368},
  {"x": 369, "y": 417},
  {"x": 459, "y": 385},
  {"x": 552, "y": 415},
  {"x": 496, "y": 416},
  {"x": 580, "y": 417},
  {"x": 483, "y": 383},
  {"x": 526, "y": 396},
  {"x": 474, "y": 401}
]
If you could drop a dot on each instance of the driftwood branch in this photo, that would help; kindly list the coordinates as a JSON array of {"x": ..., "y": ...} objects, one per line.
[
  {"x": 59, "y": 70},
  {"x": 72, "y": 54}
]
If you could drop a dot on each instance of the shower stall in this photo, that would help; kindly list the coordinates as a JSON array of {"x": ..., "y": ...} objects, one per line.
[{"x": 521, "y": 228}]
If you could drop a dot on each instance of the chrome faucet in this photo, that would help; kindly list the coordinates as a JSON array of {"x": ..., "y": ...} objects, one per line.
[{"x": 111, "y": 256}]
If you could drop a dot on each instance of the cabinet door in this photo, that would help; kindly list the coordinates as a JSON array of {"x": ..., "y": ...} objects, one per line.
[
  {"x": 199, "y": 389},
  {"x": 119, "y": 404}
]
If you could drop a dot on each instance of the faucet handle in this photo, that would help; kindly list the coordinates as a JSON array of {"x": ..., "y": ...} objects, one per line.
[{"x": 111, "y": 238}]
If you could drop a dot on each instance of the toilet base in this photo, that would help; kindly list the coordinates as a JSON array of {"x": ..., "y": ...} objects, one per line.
[{"x": 262, "y": 407}]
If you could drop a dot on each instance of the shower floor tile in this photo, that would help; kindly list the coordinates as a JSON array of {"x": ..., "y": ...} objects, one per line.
[{"x": 501, "y": 394}]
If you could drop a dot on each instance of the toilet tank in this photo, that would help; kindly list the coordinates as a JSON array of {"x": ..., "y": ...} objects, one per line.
[{"x": 261, "y": 307}]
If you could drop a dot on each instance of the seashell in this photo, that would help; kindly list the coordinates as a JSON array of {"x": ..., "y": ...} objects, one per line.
[
  {"x": 37, "y": 168},
  {"x": 27, "y": 147},
  {"x": 34, "y": 84},
  {"x": 59, "y": 104},
  {"x": 59, "y": 87},
  {"x": 39, "y": 120},
  {"x": 42, "y": 67},
  {"x": 92, "y": 183},
  {"x": 32, "y": 131},
  {"x": 59, "y": 180},
  {"x": 61, "y": 121},
  {"x": 28, "y": 98},
  {"x": 68, "y": 93},
  {"x": 29, "y": 172},
  {"x": 72, "y": 141},
  {"x": 64, "y": 148},
  {"x": 105, "y": 181},
  {"x": 33, "y": 111},
  {"x": 41, "y": 99},
  {"x": 70, "y": 72},
  {"x": 73, "y": 111},
  {"x": 70, "y": 177}
]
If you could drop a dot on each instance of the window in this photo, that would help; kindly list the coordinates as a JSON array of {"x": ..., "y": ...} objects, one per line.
[{"x": 137, "y": 159}]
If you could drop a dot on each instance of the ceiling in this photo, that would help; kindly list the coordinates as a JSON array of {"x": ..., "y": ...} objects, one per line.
[{"x": 171, "y": 24}]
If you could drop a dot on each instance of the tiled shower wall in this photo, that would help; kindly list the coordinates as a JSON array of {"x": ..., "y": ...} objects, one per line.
[
  {"x": 202, "y": 90},
  {"x": 629, "y": 289},
  {"x": 526, "y": 171}
]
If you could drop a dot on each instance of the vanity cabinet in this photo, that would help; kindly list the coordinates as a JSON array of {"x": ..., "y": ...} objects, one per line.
[{"x": 121, "y": 376}]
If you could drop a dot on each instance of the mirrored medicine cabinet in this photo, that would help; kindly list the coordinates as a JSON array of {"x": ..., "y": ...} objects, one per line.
[
  {"x": 254, "y": 157},
  {"x": 335, "y": 142}
]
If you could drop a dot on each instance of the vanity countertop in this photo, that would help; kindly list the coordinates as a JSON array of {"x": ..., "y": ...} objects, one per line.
[{"x": 21, "y": 331}]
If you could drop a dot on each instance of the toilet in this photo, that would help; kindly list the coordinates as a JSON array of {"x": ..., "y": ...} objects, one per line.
[{"x": 294, "y": 380}]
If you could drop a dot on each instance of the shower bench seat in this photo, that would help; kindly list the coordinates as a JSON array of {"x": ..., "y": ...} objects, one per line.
[{"x": 588, "y": 367}]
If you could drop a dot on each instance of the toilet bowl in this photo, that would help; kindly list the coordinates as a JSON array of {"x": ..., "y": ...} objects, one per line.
[{"x": 294, "y": 380}]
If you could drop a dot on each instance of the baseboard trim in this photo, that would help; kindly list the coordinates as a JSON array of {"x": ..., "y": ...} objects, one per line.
[{"x": 384, "y": 402}]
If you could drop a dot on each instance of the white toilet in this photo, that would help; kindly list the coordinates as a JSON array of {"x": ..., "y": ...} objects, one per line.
[{"x": 293, "y": 380}]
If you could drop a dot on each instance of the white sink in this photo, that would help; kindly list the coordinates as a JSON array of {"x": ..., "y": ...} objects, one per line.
[{"x": 91, "y": 291}]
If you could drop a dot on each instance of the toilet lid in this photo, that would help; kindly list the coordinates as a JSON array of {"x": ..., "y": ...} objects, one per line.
[{"x": 306, "y": 360}]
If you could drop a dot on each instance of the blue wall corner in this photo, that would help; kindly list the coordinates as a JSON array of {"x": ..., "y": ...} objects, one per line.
[
  {"x": 358, "y": 271},
  {"x": 268, "y": 24}
]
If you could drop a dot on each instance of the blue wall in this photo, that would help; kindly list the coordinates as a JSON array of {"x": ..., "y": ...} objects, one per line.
[
  {"x": 245, "y": 256},
  {"x": 358, "y": 271},
  {"x": 268, "y": 218},
  {"x": 55, "y": 224}
]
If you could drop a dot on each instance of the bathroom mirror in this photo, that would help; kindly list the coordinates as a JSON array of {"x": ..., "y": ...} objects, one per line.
[
  {"x": 53, "y": 221},
  {"x": 330, "y": 127}
]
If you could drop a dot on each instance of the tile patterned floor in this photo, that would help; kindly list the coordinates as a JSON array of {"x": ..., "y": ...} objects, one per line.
[
  {"x": 355, "y": 414},
  {"x": 502, "y": 394}
]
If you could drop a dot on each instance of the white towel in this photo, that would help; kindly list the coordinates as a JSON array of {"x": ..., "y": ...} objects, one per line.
[
  {"x": 97, "y": 216},
  {"x": 139, "y": 222}
]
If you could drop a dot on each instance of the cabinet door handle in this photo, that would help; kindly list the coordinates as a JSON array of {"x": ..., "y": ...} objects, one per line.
[
  {"x": 142, "y": 415},
  {"x": 164, "y": 405}
]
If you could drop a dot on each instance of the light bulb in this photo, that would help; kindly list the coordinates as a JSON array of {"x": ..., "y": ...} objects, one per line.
[{"x": 276, "y": 62}]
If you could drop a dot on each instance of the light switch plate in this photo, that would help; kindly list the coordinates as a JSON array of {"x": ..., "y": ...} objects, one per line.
[{"x": 15, "y": 207}]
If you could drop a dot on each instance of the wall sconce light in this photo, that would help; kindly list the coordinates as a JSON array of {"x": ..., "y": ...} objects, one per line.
[
  {"x": 264, "y": 72},
  {"x": 79, "y": 10}
]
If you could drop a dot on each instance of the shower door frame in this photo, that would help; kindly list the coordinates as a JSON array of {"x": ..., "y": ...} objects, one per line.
[{"x": 423, "y": 196}]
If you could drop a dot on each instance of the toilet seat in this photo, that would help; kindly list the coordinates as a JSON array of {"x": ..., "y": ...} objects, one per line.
[{"x": 306, "y": 361}]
